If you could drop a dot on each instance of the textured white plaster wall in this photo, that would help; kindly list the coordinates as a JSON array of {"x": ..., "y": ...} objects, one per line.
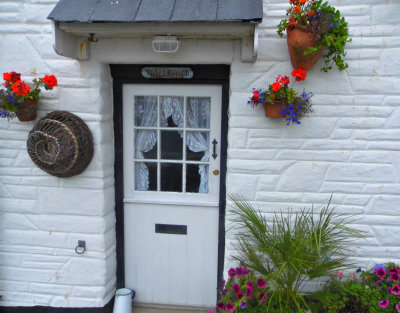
[
  {"x": 349, "y": 147},
  {"x": 42, "y": 217}
]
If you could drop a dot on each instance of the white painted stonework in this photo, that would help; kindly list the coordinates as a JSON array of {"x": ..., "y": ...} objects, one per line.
[{"x": 349, "y": 147}]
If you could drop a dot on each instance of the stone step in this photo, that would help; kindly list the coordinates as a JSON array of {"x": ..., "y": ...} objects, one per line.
[{"x": 156, "y": 308}]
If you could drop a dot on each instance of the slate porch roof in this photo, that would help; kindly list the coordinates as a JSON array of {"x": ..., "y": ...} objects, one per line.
[{"x": 89, "y": 11}]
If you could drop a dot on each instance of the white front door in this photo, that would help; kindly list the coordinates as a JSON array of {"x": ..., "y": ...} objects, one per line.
[{"x": 171, "y": 192}]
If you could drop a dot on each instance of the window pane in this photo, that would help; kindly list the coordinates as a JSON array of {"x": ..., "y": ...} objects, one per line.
[
  {"x": 171, "y": 111},
  {"x": 171, "y": 145},
  {"x": 198, "y": 112},
  {"x": 146, "y": 111},
  {"x": 197, "y": 178},
  {"x": 197, "y": 146},
  {"x": 171, "y": 177},
  {"x": 145, "y": 144},
  {"x": 145, "y": 176}
]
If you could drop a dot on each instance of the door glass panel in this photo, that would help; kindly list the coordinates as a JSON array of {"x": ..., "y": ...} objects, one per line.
[
  {"x": 197, "y": 178},
  {"x": 145, "y": 176},
  {"x": 171, "y": 177},
  {"x": 146, "y": 111},
  {"x": 197, "y": 146},
  {"x": 145, "y": 144},
  {"x": 171, "y": 145},
  {"x": 198, "y": 112},
  {"x": 171, "y": 111}
]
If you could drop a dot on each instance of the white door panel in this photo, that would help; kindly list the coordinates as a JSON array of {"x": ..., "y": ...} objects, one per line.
[{"x": 166, "y": 268}]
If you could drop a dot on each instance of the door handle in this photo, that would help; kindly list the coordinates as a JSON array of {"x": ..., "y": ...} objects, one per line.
[{"x": 214, "y": 154}]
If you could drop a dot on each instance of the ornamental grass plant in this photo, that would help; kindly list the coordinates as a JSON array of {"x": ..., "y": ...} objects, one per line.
[{"x": 292, "y": 249}]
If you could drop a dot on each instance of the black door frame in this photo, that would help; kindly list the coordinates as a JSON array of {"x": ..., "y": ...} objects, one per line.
[{"x": 203, "y": 74}]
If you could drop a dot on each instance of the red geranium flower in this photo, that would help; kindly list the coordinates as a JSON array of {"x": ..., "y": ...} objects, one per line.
[
  {"x": 50, "y": 81},
  {"x": 276, "y": 86},
  {"x": 299, "y": 74},
  {"x": 311, "y": 13},
  {"x": 285, "y": 80},
  {"x": 296, "y": 9},
  {"x": 20, "y": 88},
  {"x": 11, "y": 78}
]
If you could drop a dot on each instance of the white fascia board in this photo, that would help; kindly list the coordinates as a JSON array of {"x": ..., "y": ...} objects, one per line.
[{"x": 77, "y": 34}]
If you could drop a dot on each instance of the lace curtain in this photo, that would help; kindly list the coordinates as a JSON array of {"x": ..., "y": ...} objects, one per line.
[
  {"x": 146, "y": 115},
  {"x": 197, "y": 117}
]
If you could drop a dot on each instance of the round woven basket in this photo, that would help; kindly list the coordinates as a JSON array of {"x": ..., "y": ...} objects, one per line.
[{"x": 61, "y": 144}]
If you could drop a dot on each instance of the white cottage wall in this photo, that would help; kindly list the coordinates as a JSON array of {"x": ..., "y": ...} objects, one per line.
[
  {"x": 348, "y": 147},
  {"x": 43, "y": 217}
]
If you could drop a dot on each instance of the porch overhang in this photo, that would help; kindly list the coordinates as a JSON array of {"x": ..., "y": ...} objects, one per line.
[{"x": 78, "y": 22}]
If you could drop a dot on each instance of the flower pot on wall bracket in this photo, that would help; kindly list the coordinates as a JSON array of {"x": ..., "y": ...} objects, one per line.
[
  {"x": 299, "y": 41},
  {"x": 27, "y": 111},
  {"x": 274, "y": 109}
]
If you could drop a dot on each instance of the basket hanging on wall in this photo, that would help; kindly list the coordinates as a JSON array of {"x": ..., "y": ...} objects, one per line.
[{"x": 61, "y": 144}]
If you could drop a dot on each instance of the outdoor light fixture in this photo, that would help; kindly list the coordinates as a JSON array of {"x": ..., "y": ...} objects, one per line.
[{"x": 165, "y": 44}]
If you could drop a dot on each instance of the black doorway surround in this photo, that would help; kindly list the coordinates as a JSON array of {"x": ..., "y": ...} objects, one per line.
[{"x": 132, "y": 73}]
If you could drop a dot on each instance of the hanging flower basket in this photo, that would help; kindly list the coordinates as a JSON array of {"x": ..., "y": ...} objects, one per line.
[
  {"x": 312, "y": 26},
  {"x": 20, "y": 99},
  {"x": 299, "y": 41},
  {"x": 274, "y": 109},
  {"x": 291, "y": 105},
  {"x": 27, "y": 111}
]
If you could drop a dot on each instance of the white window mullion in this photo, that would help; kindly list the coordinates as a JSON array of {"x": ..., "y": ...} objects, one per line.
[
  {"x": 158, "y": 144},
  {"x": 184, "y": 147}
]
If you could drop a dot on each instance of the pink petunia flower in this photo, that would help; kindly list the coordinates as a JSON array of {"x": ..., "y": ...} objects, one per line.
[
  {"x": 240, "y": 271},
  {"x": 262, "y": 297},
  {"x": 220, "y": 306},
  {"x": 394, "y": 276},
  {"x": 384, "y": 303},
  {"x": 394, "y": 270},
  {"x": 232, "y": 272},
  {"x": 236, "y": 288},
  {"x": 229, "y": 307},
  {"x": 249, "y": 293},
  {"x": 240, "y": 295},
  {"x": 398, "y": 307},
  {"x": 395, "y": 290},
  {"x": 261, "y": 283},
  {"x": 380, "y": 272},
  {"x": 249, "y": 285}
]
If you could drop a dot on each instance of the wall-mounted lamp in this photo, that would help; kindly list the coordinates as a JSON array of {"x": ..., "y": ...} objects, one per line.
[{"x": 165, "y": 44}]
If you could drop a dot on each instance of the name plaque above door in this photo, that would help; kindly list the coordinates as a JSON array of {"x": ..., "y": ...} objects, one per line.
[{"x": 167, "y": 72}]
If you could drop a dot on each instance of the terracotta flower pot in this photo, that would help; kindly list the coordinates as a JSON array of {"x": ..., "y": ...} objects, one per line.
[
  {"x": 27, "y": 112},
  {"x": 274, "y": 109},
  {"x": 299, "y": 41}
]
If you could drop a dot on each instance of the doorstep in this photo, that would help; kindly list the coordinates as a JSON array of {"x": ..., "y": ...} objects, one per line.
[{"x": 161, "y": 308}]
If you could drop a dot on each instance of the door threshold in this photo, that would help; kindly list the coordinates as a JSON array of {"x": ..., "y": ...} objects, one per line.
[{"x": 139, "y": 307}]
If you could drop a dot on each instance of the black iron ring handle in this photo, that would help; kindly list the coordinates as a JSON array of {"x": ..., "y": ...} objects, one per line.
[{"x": 82, "y": 250}]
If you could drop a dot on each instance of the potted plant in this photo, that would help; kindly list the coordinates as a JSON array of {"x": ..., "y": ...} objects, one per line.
[
  {"x": 311, "y": 27},
  {"x": 281, "y": 101},
  {"x": 20, "y": 98}
]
